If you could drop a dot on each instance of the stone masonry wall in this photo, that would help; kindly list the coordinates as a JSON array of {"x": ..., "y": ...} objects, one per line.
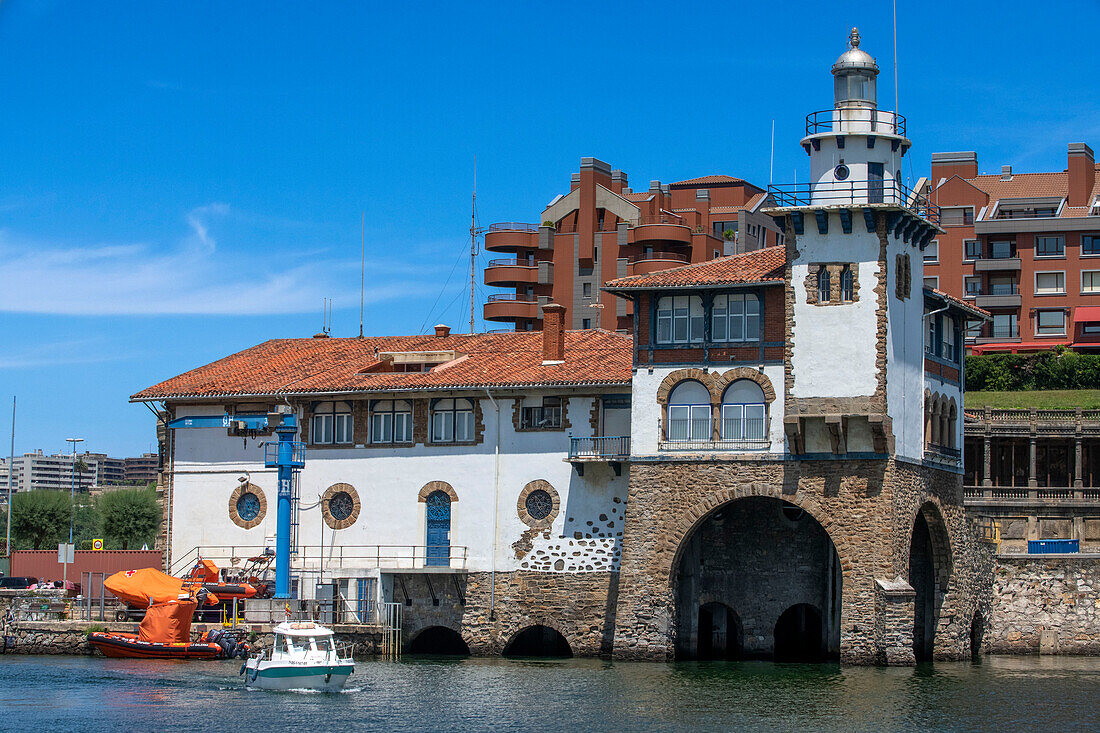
[
  {"x": 867, "y": 507},
  {"x": 1047, "y": 605}
]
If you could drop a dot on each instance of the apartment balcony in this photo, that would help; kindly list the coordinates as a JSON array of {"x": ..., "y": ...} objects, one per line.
[
  {"x": 998, "y": 296},
  {"x": 644, "y": 264},
  {"x": 511, "y": 236},
  {"x": 999, "y": 333},
  {"x": 508, "y": 273},
  {"x": 610, "y": 449},
  {"x": 997, "y": 264},
  {"x": 511, "y": 307},
  {"x": 670, "y": 229}
]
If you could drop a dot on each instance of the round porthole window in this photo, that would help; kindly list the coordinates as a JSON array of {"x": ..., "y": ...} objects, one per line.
[
  {"x": 248, "y": 506},
  {"x": 539, "y": 504},
  {"x": 340, "y": 506},
  {"x": 841, "y": 172}
]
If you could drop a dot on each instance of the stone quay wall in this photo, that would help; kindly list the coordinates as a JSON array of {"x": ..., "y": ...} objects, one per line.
[
  {"x": 1044, "y": 605},
  {"x": 867, "y": 507}
]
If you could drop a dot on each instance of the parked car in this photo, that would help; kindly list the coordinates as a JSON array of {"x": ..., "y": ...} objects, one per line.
[{"x": 17, "y": 582}]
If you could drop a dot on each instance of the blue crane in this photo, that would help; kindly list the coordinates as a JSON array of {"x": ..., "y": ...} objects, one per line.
[{"x": 287, "y": 455}]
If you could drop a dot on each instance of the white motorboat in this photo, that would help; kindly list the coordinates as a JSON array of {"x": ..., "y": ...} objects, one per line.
[{"x": 303, "y": 657}]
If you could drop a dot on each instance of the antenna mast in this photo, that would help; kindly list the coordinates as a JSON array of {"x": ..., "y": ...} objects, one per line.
[{"x": 473, "y": 246}]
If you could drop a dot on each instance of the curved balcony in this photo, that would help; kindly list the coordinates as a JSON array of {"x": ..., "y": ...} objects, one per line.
[
  {"x": 511, "y": 236},
  {"x": 660, "y": 229},
  {"x": 655, "y": 261},
  {"x": 511, "y": 307},
  {"x": 509, "y": 273},
  {"x": 855, "y": 120}
]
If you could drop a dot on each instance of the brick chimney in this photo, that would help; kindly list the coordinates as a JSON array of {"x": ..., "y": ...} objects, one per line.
[
  {"x": 441, "y": 331},
  {"x": 553, "y": 333},
  {"x": 1082, "y": 174},
  {"x": 944, "y": 165}
]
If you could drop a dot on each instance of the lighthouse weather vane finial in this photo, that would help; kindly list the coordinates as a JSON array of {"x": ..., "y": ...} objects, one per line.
[{"x": 853, "y": 38}]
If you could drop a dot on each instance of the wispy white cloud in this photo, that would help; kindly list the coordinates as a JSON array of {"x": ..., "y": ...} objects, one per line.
[
  {"x": 194, "y": 276},
  {"x": 76, "y": 351}
]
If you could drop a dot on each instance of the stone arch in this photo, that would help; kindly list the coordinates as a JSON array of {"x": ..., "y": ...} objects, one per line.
[
  {"x": 691, "y": 519},
  {"x": 438, "y": 640},
  {"x": 729, "y": 377},
  {"x": 929, "y": 574},
  {"x": 326, "y": 510},
  {"x": 538, "y": 640},
  {"x": 521, "y": 504},
  {"x": 683, "y": 375},
  {"x": 433, "y": 486}
]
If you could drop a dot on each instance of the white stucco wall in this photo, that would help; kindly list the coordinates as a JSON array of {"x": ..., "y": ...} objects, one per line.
[
  {"x": 834, "y": 346},
  {"x": 905, "y": 352},
  {"x": 389, "y": 480}
]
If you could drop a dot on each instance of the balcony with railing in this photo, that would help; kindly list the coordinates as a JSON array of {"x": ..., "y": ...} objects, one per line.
[
  {"x": 666, "y": 228},
  {"x": 511, "y": 307},
  {"x": 511, "y": 236},
  {"x": 613, "y": 450},
  {"x": 648, "y": 262},
  {"x": 695, "y": 435},
  {"x": 998, "y": 295},
  {"x": 855, "y": 120},
  {"x": 509, "y": 272},
  {"x": 855, "y": 193}
]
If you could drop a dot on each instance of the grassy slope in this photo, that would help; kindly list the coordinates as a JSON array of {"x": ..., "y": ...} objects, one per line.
[{"x": 1088, "y": 399}]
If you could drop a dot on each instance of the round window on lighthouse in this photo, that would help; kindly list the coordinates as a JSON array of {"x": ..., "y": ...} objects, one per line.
[{"x": 841, "y": 172}]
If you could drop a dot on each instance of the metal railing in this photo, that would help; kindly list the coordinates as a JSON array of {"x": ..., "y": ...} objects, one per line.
[
  {"x": 329, "y": 557},
  {"x": 600, "y": 447},
  {"x": 856, "y": 193},
  {"x": 1003, "y": 332},
  {"x": 513, "y": 226},
  {"x": 512, "y": 262},
  {"x": 856, "y": 119},
  {"x": 751, "y": 444},
  {"x": 1037, "y": 494},
  {"x": 661, "y": 219},
  {"x": 297, "y": 453},
  {"x": 518, "y": 297},
  {"x": 659, "y": 256}
]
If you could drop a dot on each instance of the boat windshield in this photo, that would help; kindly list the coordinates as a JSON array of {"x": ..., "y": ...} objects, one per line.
[{"x": 322, "y": 643}]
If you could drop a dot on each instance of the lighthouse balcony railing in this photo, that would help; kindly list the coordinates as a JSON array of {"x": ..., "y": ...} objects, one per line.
[
  {"x": 855, "y": 193},
  {"x": 855, "y": 120}
]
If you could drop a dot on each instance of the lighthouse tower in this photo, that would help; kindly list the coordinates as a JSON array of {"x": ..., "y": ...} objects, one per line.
[{"x": 855, "y": 235}]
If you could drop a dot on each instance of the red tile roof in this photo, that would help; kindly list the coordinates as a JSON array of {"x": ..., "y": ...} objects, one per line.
[
  {"x": 704, "y": 180},
  {"x": 961, "y": 304},
  {"x": 762, "y": 265},
  {"x": 318, "y": 365},
  {"x": 1033, "y": 185}
]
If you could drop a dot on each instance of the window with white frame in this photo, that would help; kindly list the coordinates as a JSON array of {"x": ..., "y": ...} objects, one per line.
[
  {"x": 391, "y": 422},
  {"x": 331, "y": 424},
  {"x": 689, "y": 417},
  {"x": 932, "y": 252},
  {"x": 947, "y": 337},
  {"x": 1050, "y": 246},
  {"x": 1090, "y": 281},
  {"x": 679, "y": 319},
  {"x": 972, "y": 285},
  {"x": 452, "y": 421},
  {"x": 956, "y": 216},
  {"x": 1050, "y": 323},
  {"x": 972, "y": 249},
  {"x": 735, "y": 317},
  {"x": 1050, "y": 283},
  {"x": 744, "y": 412},
  {"x": 1090, "y": 245}
]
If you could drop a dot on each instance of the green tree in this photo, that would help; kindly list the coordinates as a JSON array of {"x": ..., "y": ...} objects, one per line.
[
  {"x": 129, "y": 517},
  {"x": 40, "y": 518}
]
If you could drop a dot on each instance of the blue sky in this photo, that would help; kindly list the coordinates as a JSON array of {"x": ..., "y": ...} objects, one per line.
[{"x": 181, "y": 181}]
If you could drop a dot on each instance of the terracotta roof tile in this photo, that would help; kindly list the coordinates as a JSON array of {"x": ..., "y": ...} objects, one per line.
[
  {"x": 703, "y": 180},
  {"x": 317, "y": 365},
  {"x": 762, "y": 265},
  {"x": 949, "y": 299},
  {"x": 1033, "y": 185}
]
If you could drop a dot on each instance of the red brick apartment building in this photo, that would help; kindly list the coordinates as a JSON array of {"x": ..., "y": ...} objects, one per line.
[
  {"x": 1024, "y": 246},
  {"x": 601, "y": 230}
]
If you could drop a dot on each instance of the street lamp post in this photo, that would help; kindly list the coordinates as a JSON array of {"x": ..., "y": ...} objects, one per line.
[{"x": 72, "y": 499}]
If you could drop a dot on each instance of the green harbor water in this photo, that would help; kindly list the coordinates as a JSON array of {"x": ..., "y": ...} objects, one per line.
[{"x": 999, "y": 693}]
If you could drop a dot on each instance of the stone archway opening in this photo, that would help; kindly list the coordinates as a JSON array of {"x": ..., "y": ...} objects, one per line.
[
  {"x": 439, "y": 641},
  {"x": 720, "y": 632},
  {"x": 977, "y": 633},
  {"x": 929, "y": 571},
  {"x": 741, "y": 568},
  {"x": 538, "y": 641},
  {"x": 799, "y": 635}
]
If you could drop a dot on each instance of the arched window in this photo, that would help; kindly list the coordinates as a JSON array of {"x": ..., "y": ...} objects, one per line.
[
  {"x": 952, "y": 416},
  {"x": 689, "y": 412},
  {"x": 847, "y": 289},
  {"x": 936, "y": 424},
  {"x": 744, "y": 413},
  {"x": 452, "y": 421},
  {"x": 944, "y": 425},
  {"x": 735, "y": 317},
  {"x": 391, "y": 422},
  {"x": 679, "y": 319},
  {"x": 331, "y": 423},
  {"x": 823, "y": 285}
]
